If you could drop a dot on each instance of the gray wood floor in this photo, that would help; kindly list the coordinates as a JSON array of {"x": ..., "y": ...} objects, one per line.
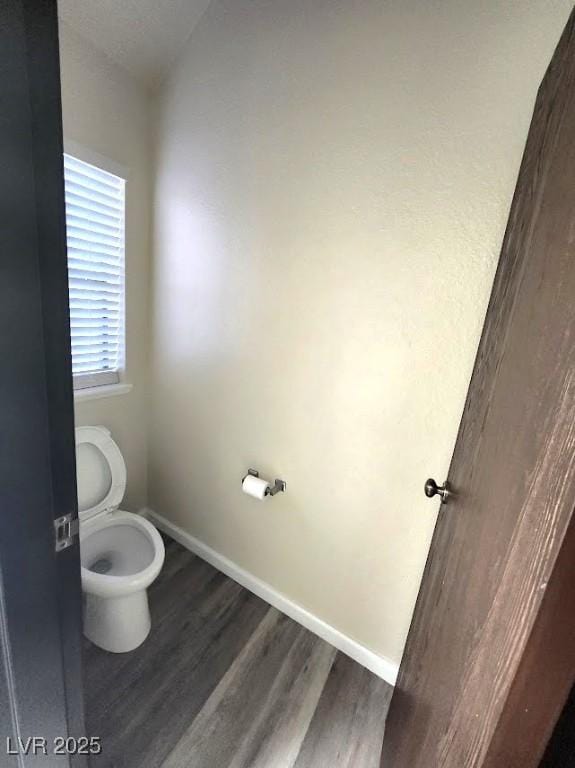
[{"x": 226, "y": 681}]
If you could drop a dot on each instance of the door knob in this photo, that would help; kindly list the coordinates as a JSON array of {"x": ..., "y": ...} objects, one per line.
[{"x": 432, "y": 489}]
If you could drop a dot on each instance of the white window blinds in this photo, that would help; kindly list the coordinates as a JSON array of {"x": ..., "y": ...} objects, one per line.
[{"x": 95, "y": 237}]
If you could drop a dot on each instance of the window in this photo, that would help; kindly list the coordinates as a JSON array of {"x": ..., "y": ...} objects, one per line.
[{"x": 95, "y": 237}]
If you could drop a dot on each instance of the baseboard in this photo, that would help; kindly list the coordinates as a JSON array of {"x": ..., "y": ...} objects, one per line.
[{"x": 379, "y": 665}]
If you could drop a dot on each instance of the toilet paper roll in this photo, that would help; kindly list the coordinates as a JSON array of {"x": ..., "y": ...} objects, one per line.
[{"x": 255, "y": 486}]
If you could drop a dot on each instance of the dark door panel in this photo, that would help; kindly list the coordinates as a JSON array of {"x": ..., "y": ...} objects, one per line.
[{"x": 40, "y": 610}]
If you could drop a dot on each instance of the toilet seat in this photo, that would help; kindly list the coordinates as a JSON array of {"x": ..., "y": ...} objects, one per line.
[
  {"x": 101, "y": 472},
  {"x": 108, "y": 584}
]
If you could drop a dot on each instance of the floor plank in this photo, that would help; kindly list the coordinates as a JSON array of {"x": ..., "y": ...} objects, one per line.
[
  {"x": 262, "y": 707},
  {"x": 225, "y": 681},
  {"x": 347, "y": 729}
]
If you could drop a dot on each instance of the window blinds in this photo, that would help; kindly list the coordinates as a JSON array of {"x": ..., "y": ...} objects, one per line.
[{"x": 95, "y": 238}]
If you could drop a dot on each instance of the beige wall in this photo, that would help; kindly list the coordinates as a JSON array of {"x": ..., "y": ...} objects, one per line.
[
  {"x": 333, "y": 182},
  {"x": 106, "y": 112}
]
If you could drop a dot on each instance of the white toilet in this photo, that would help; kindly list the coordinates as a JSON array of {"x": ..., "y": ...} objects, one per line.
[{"x": 121, "y": 553}]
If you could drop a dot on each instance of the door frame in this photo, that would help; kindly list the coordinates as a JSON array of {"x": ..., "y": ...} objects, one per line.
[{"x": 40, "y": 589}]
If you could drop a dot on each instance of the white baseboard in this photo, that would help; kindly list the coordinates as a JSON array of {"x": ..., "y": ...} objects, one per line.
[{"x": 379, "y": 665}]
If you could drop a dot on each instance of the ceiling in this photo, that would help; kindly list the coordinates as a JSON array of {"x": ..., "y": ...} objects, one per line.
[{"x": 142, "y": 36}]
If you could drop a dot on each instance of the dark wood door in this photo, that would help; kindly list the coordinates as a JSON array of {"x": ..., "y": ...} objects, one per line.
[
  {"x": 561, "y": 748},
  {"x": 490, "y": 655},
  {"x": 40, "y": 596}
]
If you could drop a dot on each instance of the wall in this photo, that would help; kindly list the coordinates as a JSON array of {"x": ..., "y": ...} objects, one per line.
[
  {"x": 332, "y": 186},
  {"x": 107, "y": 113}
]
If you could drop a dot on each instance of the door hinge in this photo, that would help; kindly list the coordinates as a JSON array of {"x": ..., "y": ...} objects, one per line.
[{"x": 66, "y": 529}]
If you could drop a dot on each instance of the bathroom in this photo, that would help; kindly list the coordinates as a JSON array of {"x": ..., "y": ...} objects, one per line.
[{"x": 312, "y": 197}]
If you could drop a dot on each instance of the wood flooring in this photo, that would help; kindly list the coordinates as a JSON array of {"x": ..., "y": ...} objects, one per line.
[{"x": 226, "y": 681}]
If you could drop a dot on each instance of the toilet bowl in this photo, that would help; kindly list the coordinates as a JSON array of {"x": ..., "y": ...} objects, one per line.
[{"x": 121, "y": 553}]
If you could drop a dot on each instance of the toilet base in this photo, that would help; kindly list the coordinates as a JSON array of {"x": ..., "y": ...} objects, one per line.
[{"x": 117, "y": 624}]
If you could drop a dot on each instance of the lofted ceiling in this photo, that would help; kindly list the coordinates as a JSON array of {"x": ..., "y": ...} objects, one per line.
[{"x": 142, "y": 36}]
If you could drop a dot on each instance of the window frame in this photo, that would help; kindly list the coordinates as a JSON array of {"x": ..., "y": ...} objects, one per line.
[{"x": 99, "y": 380}]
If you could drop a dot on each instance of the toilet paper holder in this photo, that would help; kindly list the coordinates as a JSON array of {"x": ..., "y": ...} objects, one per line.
[{"x": 279, "y": 485}]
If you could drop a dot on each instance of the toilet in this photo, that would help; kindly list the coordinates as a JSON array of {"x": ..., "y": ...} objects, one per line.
[{"x": 121, "y": 553}]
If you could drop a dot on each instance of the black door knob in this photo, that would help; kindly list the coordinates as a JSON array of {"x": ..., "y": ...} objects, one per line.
[{"x": 432, "y": 489}]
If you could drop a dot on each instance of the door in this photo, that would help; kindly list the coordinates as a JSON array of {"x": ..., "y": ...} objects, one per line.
[
  {"x": 561, "y": 748},
  {"x": 490, "y": 655},
  {"x": 40, "y": 594}
]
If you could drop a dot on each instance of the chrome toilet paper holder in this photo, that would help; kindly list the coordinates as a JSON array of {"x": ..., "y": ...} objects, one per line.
[{"x": 279, "y": 485}]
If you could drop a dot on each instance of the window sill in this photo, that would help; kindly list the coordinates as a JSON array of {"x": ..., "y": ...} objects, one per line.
[{"x": 98, "y": 393}]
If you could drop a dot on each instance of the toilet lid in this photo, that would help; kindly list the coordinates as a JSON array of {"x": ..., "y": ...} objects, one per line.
[{"x": 101, "y": 472}]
